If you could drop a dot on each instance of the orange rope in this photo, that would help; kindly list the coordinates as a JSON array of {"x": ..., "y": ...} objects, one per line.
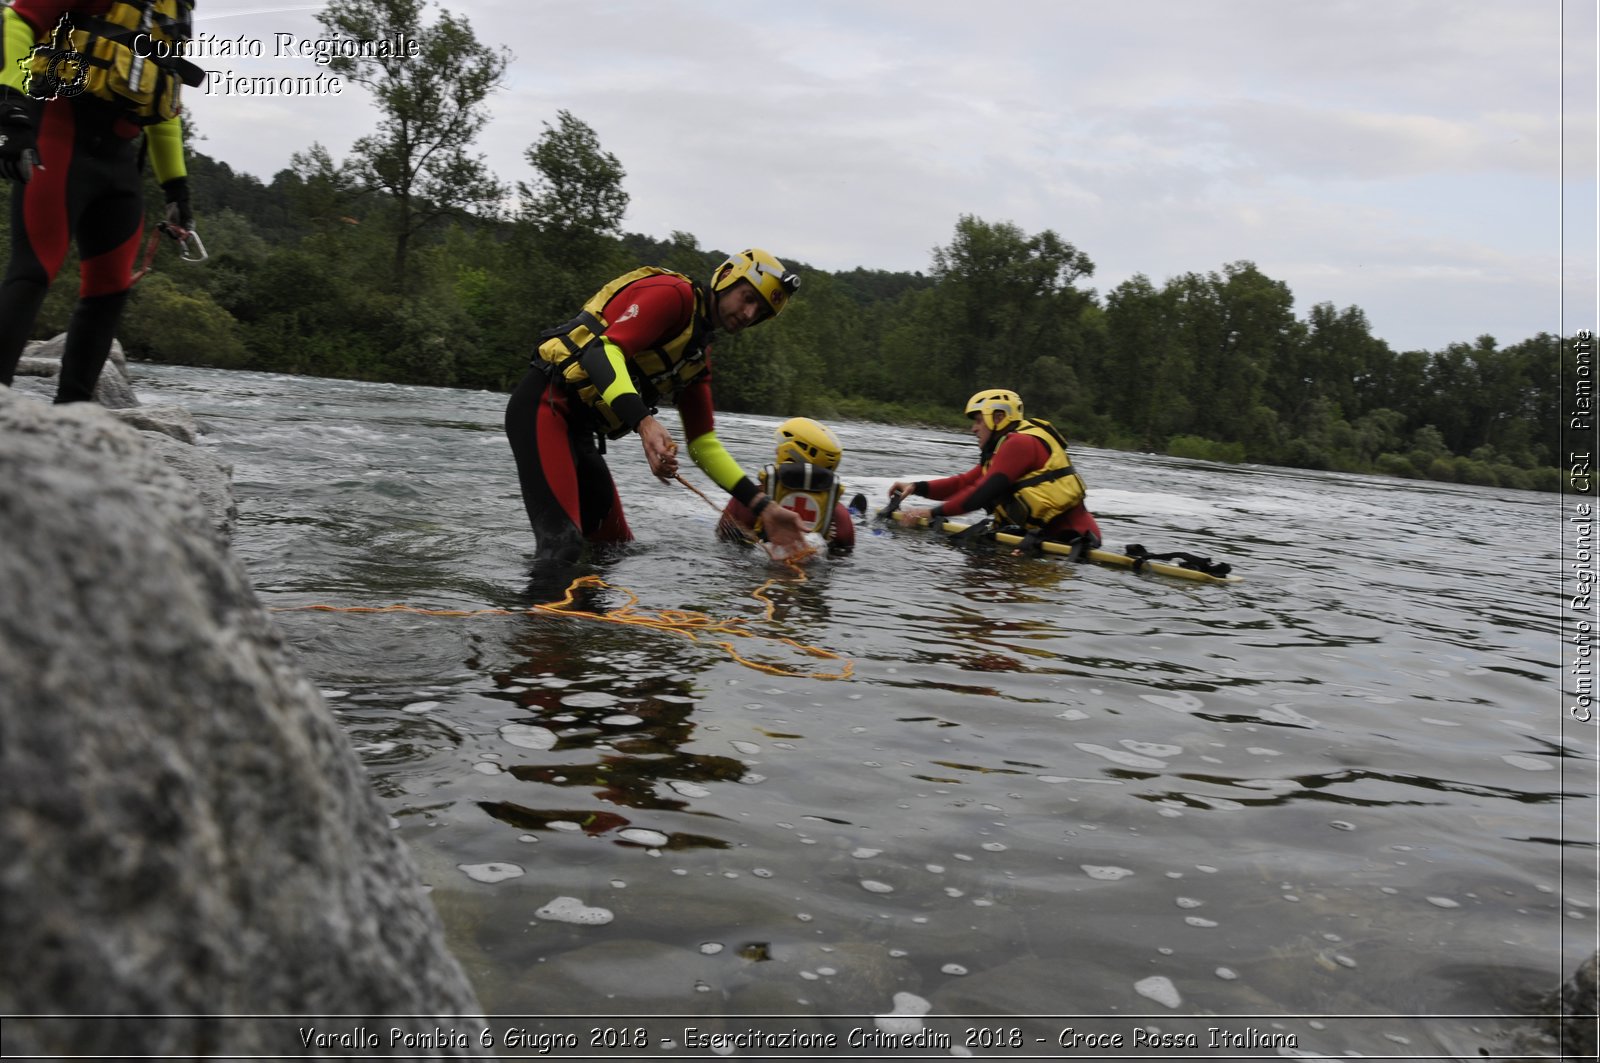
[
  {"x": 690, "y": 624},
  {"x": 696, "y": 490}
]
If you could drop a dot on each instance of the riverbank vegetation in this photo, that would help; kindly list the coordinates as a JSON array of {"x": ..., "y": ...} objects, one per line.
[{"x": 373, "y": 268}]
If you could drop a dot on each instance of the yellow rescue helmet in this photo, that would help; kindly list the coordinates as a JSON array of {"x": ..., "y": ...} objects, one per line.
[
  {"x": 766, "y": 274},
  {"x": 802, "y": 439},
  {"x": 1000, "y": 408}
]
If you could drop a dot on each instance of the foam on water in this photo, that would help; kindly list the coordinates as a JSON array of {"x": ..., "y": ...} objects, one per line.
[
  {"x": 1160, "y": 989},
  {"x": 495, "y": 872},
  {"x": 572, "y": 910},
  {"x": 590, "y": 699},
  {"x": 528, "y": 736},
  {"x": 906, "y": 1016}
]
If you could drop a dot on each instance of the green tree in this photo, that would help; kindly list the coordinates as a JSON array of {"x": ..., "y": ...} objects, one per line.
[
  {"x": 571, "y": 215},
  {"x": 1237, "y": 323},
  {"x": 1533, "y": 434},
  {"x": 432, "y": 107},
  {"x": 320, "y": 192},
  {"x": 578, "y": 189},
  {"x": 1472, "y": 392},
  {"x": 917, "y": 353},
  {"x": 1006, "y": 299},
  {"x": 167, "y": 323},
  {"x": 1398, "y": 384},
  {"x": 1144, "y": 380}
]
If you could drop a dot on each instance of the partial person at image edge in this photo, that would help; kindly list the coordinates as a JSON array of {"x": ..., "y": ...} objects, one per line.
[{"x": 75, "y": 156}]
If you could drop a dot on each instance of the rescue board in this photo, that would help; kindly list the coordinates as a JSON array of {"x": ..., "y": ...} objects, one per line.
[{"x": 1103, "y": 557}]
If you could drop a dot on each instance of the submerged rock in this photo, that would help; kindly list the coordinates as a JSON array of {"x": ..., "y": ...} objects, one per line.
[
  {"x": 1564, "y": 1022},
  {"x": 174, "y": 421},
  {"x": 187, "y": 831}
]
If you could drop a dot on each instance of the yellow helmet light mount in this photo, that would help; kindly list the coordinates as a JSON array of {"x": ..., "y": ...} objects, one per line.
[
  {"x": 999, "y": 408},
  {"x": 773, "y": 281},
  {"x": 802, "y": 439}
]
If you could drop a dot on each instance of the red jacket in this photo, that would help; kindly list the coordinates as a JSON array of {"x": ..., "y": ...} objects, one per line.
[{"x": 1016, "y": 456}]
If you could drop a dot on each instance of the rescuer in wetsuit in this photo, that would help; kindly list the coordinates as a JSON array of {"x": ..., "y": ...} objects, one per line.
[
  {"x": 640, "y": 340},
  {"x": 74, "y": 152},
  {"x": 1023, "y": 476},
  {"x": 804, "y": 478}
]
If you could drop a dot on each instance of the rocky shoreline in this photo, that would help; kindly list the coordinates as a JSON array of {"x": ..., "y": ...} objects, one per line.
[{"x": 192, "y": 845}]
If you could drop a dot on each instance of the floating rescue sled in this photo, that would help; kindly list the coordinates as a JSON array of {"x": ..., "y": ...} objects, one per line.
[{"x": 1179, "y": 565}]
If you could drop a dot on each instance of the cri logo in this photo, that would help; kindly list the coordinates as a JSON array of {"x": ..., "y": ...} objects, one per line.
[{"x": 804, "y": 507}]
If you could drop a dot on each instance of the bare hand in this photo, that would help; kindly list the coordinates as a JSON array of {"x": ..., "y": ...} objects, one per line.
[
  {"x": 659, "y": 449},
  {"x": 900, "y": 488},
  {"x": 783, "y": 527},
  {"x": 910, "y": 516}
]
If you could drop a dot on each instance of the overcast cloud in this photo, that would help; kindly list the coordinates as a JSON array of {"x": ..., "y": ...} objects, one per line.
[{"x": 1415, "y": 158}]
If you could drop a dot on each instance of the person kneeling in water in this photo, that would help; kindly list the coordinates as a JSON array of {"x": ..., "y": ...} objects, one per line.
[
  {"x": 803, "y": 479},
  {"x": 1023, "y": 476}
]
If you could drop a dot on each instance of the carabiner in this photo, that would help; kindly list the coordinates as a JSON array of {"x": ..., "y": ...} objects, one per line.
[{"x": 190, "y": 246}]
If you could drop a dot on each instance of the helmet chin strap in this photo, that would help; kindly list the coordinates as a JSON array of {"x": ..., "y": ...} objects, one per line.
[{"x": 995, "y": 436}]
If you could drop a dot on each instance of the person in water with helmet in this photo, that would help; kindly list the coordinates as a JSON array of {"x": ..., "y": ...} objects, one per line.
[
  {"x": 75, "y": 149},
  {"x": 1023, "y": 476},
  {"x": 804, "y": 478},
  {"x": 642, "y": 339}
]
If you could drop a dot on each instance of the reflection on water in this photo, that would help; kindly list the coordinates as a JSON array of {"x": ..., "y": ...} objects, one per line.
[{"x": 1340, "y": 788}]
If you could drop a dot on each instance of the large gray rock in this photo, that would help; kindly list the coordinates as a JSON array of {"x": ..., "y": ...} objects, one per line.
[
  {"x": 52, "y": 348},
  {"x": 83, "y": 427},
  {"x": 186, "y": 831},
  {"x": 174, "y": 421},
  {"x": 41, "y": 364}
]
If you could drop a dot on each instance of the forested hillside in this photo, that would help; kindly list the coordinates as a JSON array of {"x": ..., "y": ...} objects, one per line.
[{"x": 379, "y": 267}]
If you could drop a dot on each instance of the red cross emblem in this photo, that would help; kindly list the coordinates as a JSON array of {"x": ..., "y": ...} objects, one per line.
[{"x": 805, "y": 507}]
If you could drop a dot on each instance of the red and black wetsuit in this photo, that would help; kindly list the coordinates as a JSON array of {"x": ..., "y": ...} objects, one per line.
[
  {"x": 87, "y": 188},
  {"x": 566, "y": 487},
  {"x": 989, "y": 483}
]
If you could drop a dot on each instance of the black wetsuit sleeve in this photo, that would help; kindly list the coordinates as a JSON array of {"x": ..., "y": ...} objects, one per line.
[{"x": 990, "y": 492}]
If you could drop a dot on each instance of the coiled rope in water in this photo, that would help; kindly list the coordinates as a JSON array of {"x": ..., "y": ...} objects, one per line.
[{"x": 692, "y": 625}]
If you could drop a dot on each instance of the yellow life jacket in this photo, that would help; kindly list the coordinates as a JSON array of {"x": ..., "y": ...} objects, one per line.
[
  {"x": 657, "y": 372},
  {"x": 1047, "y": 492},
  {"x": 810, "y": 490},
  {"x": 127, "y": 56}
]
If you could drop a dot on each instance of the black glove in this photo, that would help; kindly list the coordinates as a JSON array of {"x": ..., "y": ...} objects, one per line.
[
  {"x": 179, "y": 212},
  {"x": 18, "y": 151}
]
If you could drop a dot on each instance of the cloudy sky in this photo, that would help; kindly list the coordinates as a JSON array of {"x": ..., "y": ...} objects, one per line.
[{"x": 1430, "y": 161}]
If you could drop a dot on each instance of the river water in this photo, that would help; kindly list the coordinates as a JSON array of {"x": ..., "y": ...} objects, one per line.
[{"x": 1334, "y": 809}]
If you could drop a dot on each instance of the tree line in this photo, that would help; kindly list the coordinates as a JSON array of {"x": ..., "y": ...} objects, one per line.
[{"x": 410, "y": 262}]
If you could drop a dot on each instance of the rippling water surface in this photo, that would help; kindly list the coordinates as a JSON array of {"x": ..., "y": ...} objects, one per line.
[{"x": 1331, "y": 802}]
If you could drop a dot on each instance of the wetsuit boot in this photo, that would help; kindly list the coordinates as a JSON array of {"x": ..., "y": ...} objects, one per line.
[
  {"x": 557, "y": 542},
  {"x": 89, "y": 336}
]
